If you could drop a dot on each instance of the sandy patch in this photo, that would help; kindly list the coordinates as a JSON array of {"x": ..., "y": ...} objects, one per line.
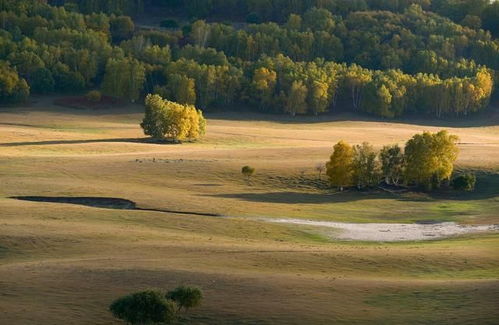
[{"x": 391, "y": 231}]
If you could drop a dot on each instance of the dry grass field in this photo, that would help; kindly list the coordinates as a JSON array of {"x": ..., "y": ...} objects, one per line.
[{"x": 64, "y": 263}]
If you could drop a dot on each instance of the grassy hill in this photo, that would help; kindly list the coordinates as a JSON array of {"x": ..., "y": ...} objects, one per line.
[{"x": 64, "y": 263}]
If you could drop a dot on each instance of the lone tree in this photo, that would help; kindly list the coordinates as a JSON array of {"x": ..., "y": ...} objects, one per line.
[
  {"x": 169, "y": 120},
  {"x": 339, "y": 168},
  {"x": 186, "y": 297},
  {"x": 248, "y": 171},
  {"x": 430, "y": 158},
  {"x": 145, "y": 307},
  {"x": 392, "y": 164}
]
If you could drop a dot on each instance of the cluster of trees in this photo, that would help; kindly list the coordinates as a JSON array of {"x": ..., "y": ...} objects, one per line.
[
  {"x": 118, "y": 7},
  {"x": 210, "y": 84},
  {"x": 154, "y": 307},
  {"x": 373, "y": 39},
  {"x": 283, "y": 85},
  {"x": 470, "y": 13},
  {"x": 12, "y": 87},
  {"x": 427, "y": 161},
  {"x": 124, "y": 78},
  {"x": 169, "y": 120},
  {"x": 54, "y": 49},
  {"x": 386, "y": 63}
]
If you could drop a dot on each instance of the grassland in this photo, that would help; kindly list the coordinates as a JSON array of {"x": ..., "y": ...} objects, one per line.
[{"x": 63, "y": 264}]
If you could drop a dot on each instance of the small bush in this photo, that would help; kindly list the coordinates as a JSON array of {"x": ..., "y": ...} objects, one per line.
[
  {"x": 94, "y": 96},
  {"x": 186, "y": 297},
  {"x": 169, "y": 23},
  {"x": 464, "y": 182},
  {"x": 145, "y": 307},
  {"x": 248, "y": 171}
]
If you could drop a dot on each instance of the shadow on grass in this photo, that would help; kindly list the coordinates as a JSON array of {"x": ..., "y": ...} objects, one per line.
[
  {"x": 487, "y": 187},
  {"x": 105, "y": 203},
  {"x": 490, "y": 117},
  {"x": 55, "y": 142},
  {"x": 302, "y": 197}
]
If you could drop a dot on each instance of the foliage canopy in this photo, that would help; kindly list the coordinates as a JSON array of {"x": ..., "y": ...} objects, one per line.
[
  {"x": 166, "y": 119},
  {"x": 145, "y": 307}
]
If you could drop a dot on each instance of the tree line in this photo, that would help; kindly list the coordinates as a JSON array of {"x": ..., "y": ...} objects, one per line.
[
  {"x": 384, "y": 63},
  {"x": 470, "y": 13},
  {"x": 373, "y": 39},
  {"x": 315, "y": 87}
]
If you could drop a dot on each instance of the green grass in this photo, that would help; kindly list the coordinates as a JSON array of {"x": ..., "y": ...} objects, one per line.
[
  {"x": 440, "y": 305},
  {"x": 80, "y": 258}
]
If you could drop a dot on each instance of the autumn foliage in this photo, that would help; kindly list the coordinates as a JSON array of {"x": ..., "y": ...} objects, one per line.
[
  {"x": 165, "y": 119},
  {"x": 427, "y": 162}
]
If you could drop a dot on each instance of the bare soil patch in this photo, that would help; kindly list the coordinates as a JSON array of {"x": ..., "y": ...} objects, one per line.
[{"x": 390, "y": 232}]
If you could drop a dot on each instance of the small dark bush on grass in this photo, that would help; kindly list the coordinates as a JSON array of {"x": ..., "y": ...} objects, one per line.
[
  {"x": 247, "y": 171},
  {"x": 145, "y": 307},
  {"x": 464, "y": 182},
  {"x": 186, "y": 297}
]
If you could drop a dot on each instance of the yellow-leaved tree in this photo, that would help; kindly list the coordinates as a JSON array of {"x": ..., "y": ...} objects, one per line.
[
  {"x": 264, "y": 81},
  {"x": 165, "y": 119},
  {"x": 430, "y": 158},
  {"x": 296, "y": 101},
  {"x": 339, "y": 168}
]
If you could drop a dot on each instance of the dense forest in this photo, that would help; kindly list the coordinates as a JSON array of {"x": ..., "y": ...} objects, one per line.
[{"x": 383, "y": 57}]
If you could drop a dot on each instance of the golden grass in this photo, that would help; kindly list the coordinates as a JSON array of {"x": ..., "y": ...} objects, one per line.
[{"x": 63, "y": 264}]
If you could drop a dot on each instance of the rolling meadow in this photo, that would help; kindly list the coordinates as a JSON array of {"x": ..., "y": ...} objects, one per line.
[{"x": 64, "y": 263}]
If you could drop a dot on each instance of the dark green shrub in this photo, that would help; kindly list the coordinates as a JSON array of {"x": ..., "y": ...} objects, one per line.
[
  {"x": 186, "y": 297},
  {"x": 248, "y": 171},
  {"x": 145, "y": 307},
  {"x": 464, "y": 182}
]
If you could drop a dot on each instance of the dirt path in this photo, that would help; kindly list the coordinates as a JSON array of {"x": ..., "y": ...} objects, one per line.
[{"x": 391, "y": 231}]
